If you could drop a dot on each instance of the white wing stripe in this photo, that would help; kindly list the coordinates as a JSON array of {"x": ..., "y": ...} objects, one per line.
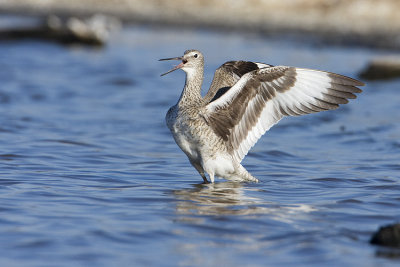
[
  {"x": 262, "y": 65},
  {"x": 264, "y": 123},
  {"x": 230, "y": 94},
  {"x": 293, "y": 91},
  {"x": 305, "y": 93}
]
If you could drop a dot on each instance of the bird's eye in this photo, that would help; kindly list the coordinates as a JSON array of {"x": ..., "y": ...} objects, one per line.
[{"x": 195, "y": 55}]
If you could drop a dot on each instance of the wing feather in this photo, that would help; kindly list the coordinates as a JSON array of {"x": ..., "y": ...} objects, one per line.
[
  {"x": 263, "y": 96},
  {"x": 227, "y": 75}
]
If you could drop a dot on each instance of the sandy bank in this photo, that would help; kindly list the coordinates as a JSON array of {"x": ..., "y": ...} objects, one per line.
[{"x": 370, "y": 22}]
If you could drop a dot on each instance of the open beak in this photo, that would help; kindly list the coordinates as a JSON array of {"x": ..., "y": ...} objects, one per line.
[{"x": 180, "y": 65}]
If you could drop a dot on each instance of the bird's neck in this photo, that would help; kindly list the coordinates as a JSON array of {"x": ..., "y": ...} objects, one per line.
[{"x": 191, "y": 94}]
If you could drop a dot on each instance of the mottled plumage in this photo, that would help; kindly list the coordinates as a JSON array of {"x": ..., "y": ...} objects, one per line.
[{"x": 244, "y": 101}]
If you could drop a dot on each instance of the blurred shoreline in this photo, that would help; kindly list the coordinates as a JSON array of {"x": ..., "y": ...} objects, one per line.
[{"x": 369, "y": 23}]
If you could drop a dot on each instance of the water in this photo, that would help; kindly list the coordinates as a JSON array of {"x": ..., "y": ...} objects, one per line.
[{"x": 90, "y": 175}]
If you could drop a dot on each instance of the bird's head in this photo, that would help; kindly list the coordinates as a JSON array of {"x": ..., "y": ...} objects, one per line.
[{"x": 190, "y": 61}]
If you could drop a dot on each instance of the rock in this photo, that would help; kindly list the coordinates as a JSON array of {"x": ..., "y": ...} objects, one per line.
[
  {"x": 382, "y": 69},
  {"x": 94, "y": 30},
  {"x": 388, "y": 235}
]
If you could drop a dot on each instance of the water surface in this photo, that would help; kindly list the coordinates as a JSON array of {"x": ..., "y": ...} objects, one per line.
[{"x": 90, "y": 175}]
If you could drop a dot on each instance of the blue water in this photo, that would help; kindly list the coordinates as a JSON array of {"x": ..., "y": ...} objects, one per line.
[{"x": 90, "y": 176}]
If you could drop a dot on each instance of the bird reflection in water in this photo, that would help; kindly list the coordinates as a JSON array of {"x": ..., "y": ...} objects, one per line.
[{"x": 231, "y": 198}]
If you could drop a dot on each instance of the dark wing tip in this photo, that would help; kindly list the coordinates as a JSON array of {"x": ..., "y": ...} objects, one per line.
[{"x": 345, "y": 80}]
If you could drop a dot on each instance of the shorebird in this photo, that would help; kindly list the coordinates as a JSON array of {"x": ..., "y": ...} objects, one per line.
[{"x": 244, "y": 101}]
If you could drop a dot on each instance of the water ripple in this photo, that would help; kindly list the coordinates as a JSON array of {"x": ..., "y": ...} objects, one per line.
[{"x": 90, "y": 175}]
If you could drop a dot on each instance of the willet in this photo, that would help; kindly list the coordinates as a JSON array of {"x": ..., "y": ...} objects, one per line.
[{"x": 244, "y": 101}]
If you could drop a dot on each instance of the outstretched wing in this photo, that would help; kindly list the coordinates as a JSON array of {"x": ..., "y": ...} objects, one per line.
[
  {"x": 262, "y": 97},
  {"x": 227, "y": 75}
]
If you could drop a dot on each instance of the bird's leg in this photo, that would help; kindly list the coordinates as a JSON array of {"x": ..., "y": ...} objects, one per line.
[
  {"x": 200, "y": 170},
  {"x": 204, "y": 178}
]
